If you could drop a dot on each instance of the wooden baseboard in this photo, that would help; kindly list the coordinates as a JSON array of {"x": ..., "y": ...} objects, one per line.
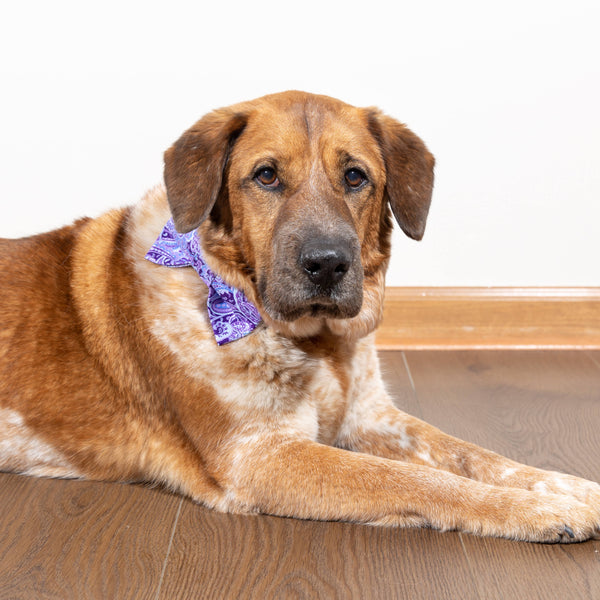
[{"x": 476, "y": 317}]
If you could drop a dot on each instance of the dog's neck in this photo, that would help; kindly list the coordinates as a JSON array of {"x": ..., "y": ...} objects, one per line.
[{"x": 231, "y": 314}]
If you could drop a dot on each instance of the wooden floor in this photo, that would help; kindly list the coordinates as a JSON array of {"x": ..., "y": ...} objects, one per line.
[{"x": 70, "y": 539}]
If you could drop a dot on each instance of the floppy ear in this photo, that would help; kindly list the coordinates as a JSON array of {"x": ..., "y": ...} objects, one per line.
[
  {"x": 409, "y": 172},
  {"x": 194, "y": 166}
]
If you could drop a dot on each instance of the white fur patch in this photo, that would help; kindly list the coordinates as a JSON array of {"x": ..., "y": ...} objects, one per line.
[
  {"x": 508, "y": 472},
  {"x": 425, "y": 456},
  {"x": 561, "y": 485},
  {"x": 304, "y": 420},
  {"x": 23, "y": 452}
]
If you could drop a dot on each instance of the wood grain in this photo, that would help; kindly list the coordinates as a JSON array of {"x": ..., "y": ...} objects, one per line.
[
  {"x": 542, "y": 408},
  {"x": 398, "y": 382},
  {"x": 486, "y": 318},
  {"x": 503, "y": 569},
  {"x": 74, "y": 539},
  {"x": 228, "y": 556}
]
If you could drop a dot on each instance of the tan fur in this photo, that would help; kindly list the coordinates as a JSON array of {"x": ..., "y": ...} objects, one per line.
[{"x": 109, "y": 369}]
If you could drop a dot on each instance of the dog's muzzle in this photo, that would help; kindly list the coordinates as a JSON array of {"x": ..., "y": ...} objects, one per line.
[{"x": 314, "y": 274}]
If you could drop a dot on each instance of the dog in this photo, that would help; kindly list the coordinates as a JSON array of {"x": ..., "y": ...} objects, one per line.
[{"x": 218, "y": 337}]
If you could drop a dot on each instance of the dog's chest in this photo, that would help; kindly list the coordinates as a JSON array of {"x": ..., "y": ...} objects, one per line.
[
  {"x": 272, "y": 378},
  {"x": 268, "y": 379}
]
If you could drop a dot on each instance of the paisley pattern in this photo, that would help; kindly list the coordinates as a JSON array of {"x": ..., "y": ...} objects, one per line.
[{"x": 231, "y": 315}]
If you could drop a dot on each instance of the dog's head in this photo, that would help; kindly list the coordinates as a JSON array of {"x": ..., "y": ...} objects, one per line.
[{"x": 292, "y": 193}]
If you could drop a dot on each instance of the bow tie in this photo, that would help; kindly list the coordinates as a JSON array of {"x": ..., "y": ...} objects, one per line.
[{"x": 231, "y": 314}]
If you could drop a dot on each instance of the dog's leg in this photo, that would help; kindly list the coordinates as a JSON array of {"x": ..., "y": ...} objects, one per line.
[
  {"x": 375, "y": 426},
  {"x": 292, "y": 477}
]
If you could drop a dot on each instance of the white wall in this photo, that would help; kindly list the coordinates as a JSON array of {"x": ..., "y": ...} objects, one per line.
[{"x": 506, "y": 95}]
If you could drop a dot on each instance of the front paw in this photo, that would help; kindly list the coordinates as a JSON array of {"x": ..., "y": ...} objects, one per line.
[
  {"x": 565, "y": 520},
  {"x": 553, "y": 518}
]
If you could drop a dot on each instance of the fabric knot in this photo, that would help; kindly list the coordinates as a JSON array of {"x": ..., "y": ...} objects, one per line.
[{"x": 231, "y": 314}]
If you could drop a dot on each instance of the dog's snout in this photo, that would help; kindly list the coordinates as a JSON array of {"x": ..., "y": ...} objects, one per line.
[{"x": 325, "y": 261}]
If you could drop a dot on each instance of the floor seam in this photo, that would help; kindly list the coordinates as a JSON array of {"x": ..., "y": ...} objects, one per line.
[
  {"x": 593, "y": 359},
  {"x": 412, "y": 385},
  {"x": 166, "y": 560},
  {"x": 469, "y": 565}
]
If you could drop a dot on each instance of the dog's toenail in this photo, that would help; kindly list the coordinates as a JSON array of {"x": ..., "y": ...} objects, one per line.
[{"x": 569, "y": 532}]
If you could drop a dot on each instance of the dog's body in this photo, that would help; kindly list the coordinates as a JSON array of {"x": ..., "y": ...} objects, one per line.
[{"x": 109, "y": 369}]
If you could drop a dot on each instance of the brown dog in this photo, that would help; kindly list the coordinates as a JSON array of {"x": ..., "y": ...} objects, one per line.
[{"x": 110, "y": 369}]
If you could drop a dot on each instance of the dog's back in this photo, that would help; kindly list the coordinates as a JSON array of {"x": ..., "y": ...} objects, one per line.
[
  {"x": 40, "y": 347},
  {"x": 36, "y": 311}
]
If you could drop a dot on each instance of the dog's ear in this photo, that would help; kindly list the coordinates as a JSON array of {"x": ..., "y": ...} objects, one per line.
[
  {"x": 409, "y": 172},
  {"x": 194, "y": 166}
]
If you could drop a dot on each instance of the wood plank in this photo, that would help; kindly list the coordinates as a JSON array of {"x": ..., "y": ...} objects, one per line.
[
  {"x": 231, "y": 556},
  {"x": 542, "y": 408},
  {"x": 534, "y": 406},
  {"x": 594, "y": 357},
  {"x": 485, "y": 318},
  {"x": 75, "y": 539},
  {"x": 505, "y": 569},
  {"x": 398, "y": 382}
]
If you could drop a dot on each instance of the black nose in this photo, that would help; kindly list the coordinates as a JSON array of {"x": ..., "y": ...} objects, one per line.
[{"x": 325, "y": 261}]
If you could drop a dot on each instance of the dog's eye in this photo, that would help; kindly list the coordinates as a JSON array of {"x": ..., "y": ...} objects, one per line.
[
  {"x": 267, "y": 177},
  {"x": 355, "y": 178}
]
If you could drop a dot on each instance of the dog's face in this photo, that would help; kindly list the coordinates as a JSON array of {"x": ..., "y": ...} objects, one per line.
[{"x": 291, "y": 195}]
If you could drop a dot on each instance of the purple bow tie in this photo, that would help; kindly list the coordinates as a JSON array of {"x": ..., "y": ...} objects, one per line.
[{"x": 231, "y": 315}]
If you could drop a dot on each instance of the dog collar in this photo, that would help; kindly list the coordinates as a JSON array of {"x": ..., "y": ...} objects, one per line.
[{"x": 231, "y": 314}]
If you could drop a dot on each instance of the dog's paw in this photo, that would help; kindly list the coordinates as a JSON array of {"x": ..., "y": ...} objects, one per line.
[
  {"x": 525, "y": 515},
  {"x": 555, "y": 518}
]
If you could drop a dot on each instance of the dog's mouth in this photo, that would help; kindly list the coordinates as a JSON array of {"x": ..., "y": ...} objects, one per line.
[
  {"x": 327, "y": 310},
  {"x": 288, "y": 299},
  {"x": 313, "y": 310},
  {"x": 317, "y": 309}
]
